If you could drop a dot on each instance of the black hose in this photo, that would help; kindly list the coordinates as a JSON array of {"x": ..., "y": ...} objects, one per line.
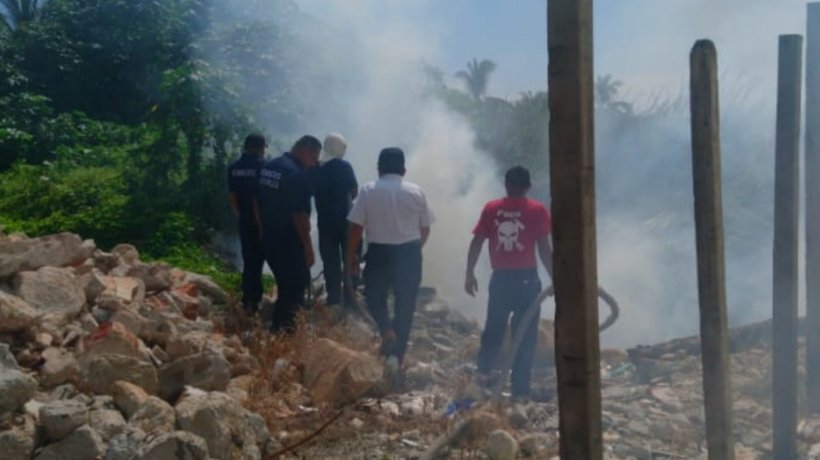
[{"x": 529, "y": 316}]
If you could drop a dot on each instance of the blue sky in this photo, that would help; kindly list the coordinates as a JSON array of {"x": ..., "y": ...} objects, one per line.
[{"x": 645, "y": 43}]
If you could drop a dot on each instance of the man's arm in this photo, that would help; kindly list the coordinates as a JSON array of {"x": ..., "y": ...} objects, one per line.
[
  {"x": 425, "y": 235},
  {"x": 257, "y": 216},
  {"x": 354, "y": 239},
  {"x": 234, "y": 204},
  {"x": 470, "y": 282},
  {"x": 545, "y": 253}
]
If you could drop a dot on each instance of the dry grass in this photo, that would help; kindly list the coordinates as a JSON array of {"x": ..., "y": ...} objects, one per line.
[{"x": 276, "y": 392}]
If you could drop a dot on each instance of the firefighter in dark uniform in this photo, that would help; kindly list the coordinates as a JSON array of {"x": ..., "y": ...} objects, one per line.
[
  {"x": 284, "y": 213},
  {"x": 243, "y": 183}
]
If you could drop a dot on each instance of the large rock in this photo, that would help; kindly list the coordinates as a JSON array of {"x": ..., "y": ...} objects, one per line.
[
  {"x": 187, "y": 300},
  {"x": 157, "y": 328},
  {"x": 60, "y": 367},
  {"x": 83, "y": 444},
  {"x": 155, "y": 275},
  {"x": 178, "y": 445},
  {"x": 500, "y": 445},
  {"x": 17, "y": 442},
  {"x": 125, "y": 254},
  {"x": 114, "y": 339},
  {"x": 125, "y": 288},
  {"x": 208, "y": 371},
  {"x": 128, "y": 397},
  {"x": 107, "y": 422},
  {"x": 16, "y": 388},
  {"x": 130, "y": 319},
  {"x": 15, "y": 314},
  {"x": 60, "y": 418},
  {"x": 335, "y": 374},
  {"x": 54, "y": 250},
  {"x": 154, "y": 416},
  {"x": 224, "y": 425},
  {"x": 125, "y": 445},
  {"x": 100, "y": 372},
  {"x": 182, "y": 345},
  {"x": 208, "y": 287},
  {"x": 53, "y": 292}
]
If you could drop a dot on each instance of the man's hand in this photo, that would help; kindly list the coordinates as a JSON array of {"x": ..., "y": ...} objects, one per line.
[
  {"x": 353, "y": 265},
  {"x": 471, "y": 284}
]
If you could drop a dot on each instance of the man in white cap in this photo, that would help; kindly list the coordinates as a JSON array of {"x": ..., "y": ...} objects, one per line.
[{"x": 335, "y": 187}]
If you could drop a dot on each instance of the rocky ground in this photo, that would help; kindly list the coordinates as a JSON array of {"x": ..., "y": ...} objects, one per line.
[{"x": 105, "y": 356}]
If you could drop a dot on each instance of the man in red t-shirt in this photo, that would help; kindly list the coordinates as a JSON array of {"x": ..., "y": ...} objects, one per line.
[{"x": 516, "y": 227}]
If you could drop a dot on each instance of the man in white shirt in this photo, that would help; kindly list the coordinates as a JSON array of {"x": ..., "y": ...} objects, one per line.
[{"x": 396, "y": 218}]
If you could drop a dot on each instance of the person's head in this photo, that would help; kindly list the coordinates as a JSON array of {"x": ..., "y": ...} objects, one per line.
[
  {"x": 391, "y": 161},
  {"x": 517, "y": 181},
  {"x": 306, "y": 150},
  {"x": 255, "y": 144},
  {"x": 335, "y": 145}
]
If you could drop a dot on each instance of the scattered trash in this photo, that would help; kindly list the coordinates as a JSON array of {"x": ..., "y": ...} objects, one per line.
[{"x": 458, "y": 406}]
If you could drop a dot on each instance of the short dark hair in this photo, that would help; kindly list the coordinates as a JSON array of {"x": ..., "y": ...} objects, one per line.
[
  {"x": 255, "y": 141},
  {"x": 517, "y": 179},
  {"x": 306, "y": 142},
  {"x": 391, "y": 161}
]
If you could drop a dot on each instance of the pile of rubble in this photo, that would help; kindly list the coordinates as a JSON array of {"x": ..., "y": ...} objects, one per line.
[{"x": 105, "y": 356}]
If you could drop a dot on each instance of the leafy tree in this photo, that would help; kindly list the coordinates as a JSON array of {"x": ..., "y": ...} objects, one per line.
[
  {"x": 14, "y": 13},
  {"x": 477, "y": 76},
  {"x": 606, "y": 94}
]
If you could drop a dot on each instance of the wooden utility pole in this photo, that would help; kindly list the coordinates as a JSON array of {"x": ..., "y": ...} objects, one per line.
[
  {"x": 813, "y": 206},
  {"x": 714, "y": 329},
  {"x": 572, "y": 184},
  {"x": 784, "y": 265}
]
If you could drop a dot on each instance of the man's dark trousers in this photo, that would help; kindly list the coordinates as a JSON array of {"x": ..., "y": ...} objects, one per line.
[
  {"x": 253, "y": 260},
  {"x": 286, "y": 258},
  {"x": 511, "y": 292},
  {"x": 396, "y": 267},
  {"x": 332, "y": 243}
]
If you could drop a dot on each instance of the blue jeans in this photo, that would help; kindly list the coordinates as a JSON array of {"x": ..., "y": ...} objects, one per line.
[
  {"x": 511, "y": 293},
  {"x": 397, "y": 268},
  {"x": 253, "y": 260}
]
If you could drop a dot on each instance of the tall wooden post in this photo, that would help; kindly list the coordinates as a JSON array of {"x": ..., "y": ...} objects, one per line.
[
  {"x": 812, "y": 166},
  {"x": 784, "y": 266},
  {"x": 572, "y": 182},
  {"x": 711, "y": 264}
]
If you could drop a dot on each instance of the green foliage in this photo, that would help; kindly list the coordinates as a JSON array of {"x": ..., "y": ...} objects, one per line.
[
  {"x": 50, "y": 198},
  {"x": 194, "y": 258},
  {"x": 14, "y": 13}
]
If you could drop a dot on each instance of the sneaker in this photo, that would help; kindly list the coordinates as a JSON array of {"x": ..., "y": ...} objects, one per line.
[
  {"x": 388, "y": 342},
  {"x": 393, "y": 375}
]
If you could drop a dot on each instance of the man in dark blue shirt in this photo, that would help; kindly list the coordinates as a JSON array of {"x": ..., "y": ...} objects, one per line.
[
  {"x": 283, "y": 208},
  {"x": 243, "y": 182},
  {"x": 335, "y": 188}
]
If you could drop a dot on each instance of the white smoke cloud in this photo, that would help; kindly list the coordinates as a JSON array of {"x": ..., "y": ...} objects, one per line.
[
  {"x": 645, "y": 227},
  {"x": 389, "y": 108}
]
